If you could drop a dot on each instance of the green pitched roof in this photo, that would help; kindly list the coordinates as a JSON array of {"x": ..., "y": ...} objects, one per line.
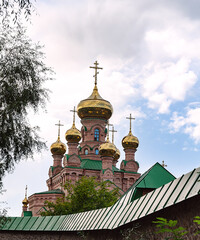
[{"x": 155, "y": 177}]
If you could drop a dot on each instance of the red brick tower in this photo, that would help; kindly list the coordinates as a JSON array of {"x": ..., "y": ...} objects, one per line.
[
  {"x": 130, "y": 144},
  {"x": 94, "y": 113}
]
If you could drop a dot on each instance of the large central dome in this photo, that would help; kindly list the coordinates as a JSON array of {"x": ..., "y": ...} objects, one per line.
[{"x": 95, "y": 107}]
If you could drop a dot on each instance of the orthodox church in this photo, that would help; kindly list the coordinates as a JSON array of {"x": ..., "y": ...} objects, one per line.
[{"x": 90, "y": 152}]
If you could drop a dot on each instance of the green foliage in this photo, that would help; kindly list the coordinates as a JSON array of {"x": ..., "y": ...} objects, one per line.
[
  {"x": 86, "y": 194},
  {"x": 197, "y": 220},
  {"x": 3, "y": 213},
  {"x": 3, "y": 217},
  {"x": 170, "y": 226},
  {"x": 14, "y": 9},
  {"x": 22, "y": 74}
]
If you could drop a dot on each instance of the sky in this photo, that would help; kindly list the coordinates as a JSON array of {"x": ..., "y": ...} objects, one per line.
[{"x": 150, "y": 54}]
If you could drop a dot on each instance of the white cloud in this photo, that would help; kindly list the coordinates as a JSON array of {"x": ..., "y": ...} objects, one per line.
[
  {"x": 189, "y": 124},
  {"x": 164, "y": 84}
]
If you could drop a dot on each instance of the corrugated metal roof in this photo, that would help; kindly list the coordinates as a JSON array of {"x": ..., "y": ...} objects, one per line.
[
  {"x": 176, "y": 191},
  {"x": 122, "y": 212}
]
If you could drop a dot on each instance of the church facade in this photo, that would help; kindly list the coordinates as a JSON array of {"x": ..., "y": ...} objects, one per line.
[{"x": 89, "y": 152}]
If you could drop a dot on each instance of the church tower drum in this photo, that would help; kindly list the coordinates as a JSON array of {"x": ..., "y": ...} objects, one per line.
[{"x": 94, "y": 113}]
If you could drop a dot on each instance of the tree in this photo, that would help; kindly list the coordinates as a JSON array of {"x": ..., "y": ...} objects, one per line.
[
  {"x": 170, "y": 227},
  {"x": 22, "y": 74},
  {"x": 14, "y": 9},
  {"x": 86, "y": 194}
]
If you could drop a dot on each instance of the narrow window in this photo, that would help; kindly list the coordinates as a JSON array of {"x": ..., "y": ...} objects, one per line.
[
  {"x": 96, "y": 134},
  {"x": 86, "y": 151},
  {"x": 96, "y": 151}
]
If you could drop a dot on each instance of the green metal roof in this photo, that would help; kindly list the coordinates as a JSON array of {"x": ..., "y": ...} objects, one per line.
[
  {"x": 122, "y": 212},
  {"x": 155, "y": 177},
  {"x": 91, "y": 164},
  {"x": 95, "y": 165},
  {"x": 55, "y": 191}
]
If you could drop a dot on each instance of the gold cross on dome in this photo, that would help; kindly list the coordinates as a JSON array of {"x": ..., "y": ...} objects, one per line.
[
  {"x": 59, "y": 125},
  {"x": 108, "y": 130},
  {"x": 95, "y": 75},
  {"x": 130, "y": 118},
  {"x": 113, "y": 131},
  {"x": 74, "y": 111},
  {"x": 26, "y": 192},
  {"x": 163, "y": 164}
]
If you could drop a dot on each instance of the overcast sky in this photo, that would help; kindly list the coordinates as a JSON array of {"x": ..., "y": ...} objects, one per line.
[{"x": 150, "y": 54}]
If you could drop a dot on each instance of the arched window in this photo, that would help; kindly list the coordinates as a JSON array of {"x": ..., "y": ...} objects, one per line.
[
  {"x": 96, "y": 151},
  {"x": 96, "y": 134},
  {"x": 86, "y": 151}
]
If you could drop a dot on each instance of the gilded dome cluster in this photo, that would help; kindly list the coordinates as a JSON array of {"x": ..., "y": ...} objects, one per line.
[{"x": 95, "y": 107}]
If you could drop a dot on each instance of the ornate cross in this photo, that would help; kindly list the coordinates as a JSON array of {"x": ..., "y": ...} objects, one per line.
[
  {"x": 163, "y": 164},
  {"x": 108, "y": 130},
  {"x": 59, "y": 125},
  {"x": 113, "y": 131},
  {"x": 95, "y": 75},
  {"x": 131, "y": 118},
  {"x": 74, "y": 111},
  {"x": 26, "y": 192}
]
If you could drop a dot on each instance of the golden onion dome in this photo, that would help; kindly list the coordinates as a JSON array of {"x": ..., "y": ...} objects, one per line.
[
  {"x": 73, "y": 135},
  {"x": 107, "y": 149},
  {"x": 130, "y": 141},
  {"x": 117, "y": 155},
  {"x": 58, "y": 147},
  {"x": 95, "y": 106},
  {"x": 25, "y": 202}
]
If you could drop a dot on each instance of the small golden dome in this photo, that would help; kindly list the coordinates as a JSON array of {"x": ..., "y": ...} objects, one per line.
[
  {"x": 117, "y": 155},
  {"x": 25, "y": 202},
  {"x": 107, "y": 149},
  {"x": 73, "y": 135},
  {"x": 130, "y": 141},
  {"x": 95, "y": 106},
  {"x": 58, "y": 147}
]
